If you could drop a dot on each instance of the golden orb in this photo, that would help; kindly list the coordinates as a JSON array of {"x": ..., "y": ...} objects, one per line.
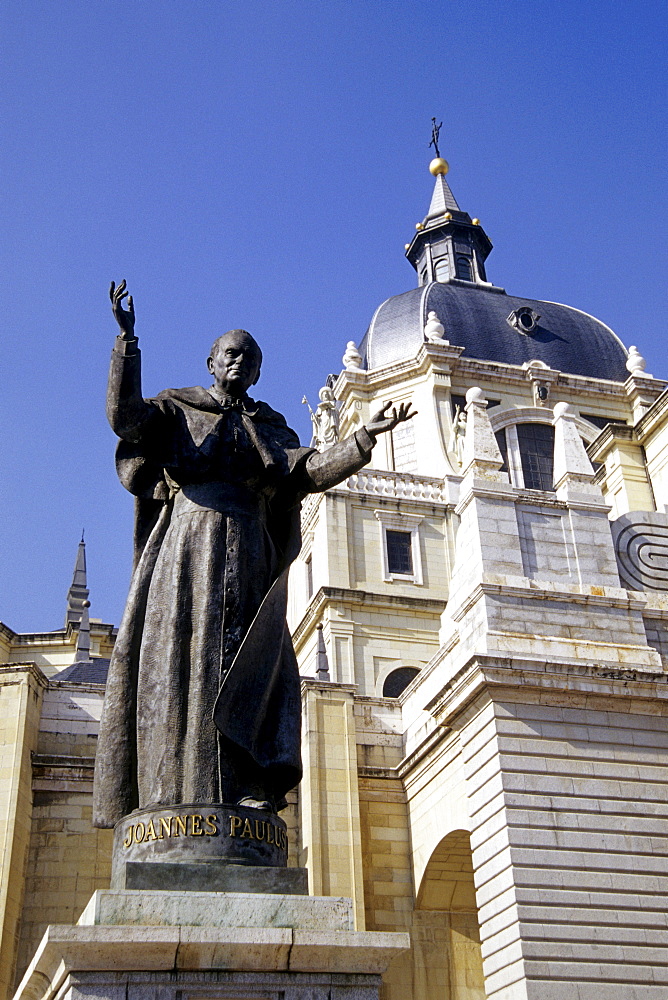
[
  {"x": 419, "y": 225},
  {"x": 406, "y": 246},
  {"x": 438, "y": 166},
  {"x": 475, "y": 222},
  {"x": 447, "y": 215}
]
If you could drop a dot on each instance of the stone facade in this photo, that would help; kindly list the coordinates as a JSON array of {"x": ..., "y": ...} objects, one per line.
[{"x": 484, "y": 691}]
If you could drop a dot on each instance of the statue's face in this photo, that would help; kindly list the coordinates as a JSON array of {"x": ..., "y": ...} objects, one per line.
[{"x": 235, "y": 363}]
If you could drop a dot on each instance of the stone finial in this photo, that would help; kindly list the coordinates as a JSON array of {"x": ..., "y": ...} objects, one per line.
[
  {"x": 352, "y": 359},
  {"x": 571, "y": 462},
  {"x": 434, "y": 330},
  {"x": 82, "y": 653},
  {"x": 636, "y": 364},
  {"x": 481, "y": 452},
  {"x": 321, "y": 663}
]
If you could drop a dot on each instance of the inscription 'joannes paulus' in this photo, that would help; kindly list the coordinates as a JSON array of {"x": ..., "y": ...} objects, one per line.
[{"x": 198, "y": 825}]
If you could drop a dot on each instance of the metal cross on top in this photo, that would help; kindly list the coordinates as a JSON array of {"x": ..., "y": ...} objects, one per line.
[{"x": 435, "y": 132}]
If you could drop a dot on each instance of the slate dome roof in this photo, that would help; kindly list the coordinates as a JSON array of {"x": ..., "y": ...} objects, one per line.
[{"x": 476, "y": 318}]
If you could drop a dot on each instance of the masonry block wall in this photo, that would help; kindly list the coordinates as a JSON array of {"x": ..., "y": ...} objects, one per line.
[
  {"x": 63, "y": 858},
  {"x": 568, "y": 788}
]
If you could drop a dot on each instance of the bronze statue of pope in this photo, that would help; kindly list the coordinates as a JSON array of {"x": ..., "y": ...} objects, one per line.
[{"x": 203, "y": 695}]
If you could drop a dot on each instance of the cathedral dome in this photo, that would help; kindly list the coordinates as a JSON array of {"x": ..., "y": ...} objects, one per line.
[
  {"x": 448, "y": 250},
  {"x": 491, "y": 326}
]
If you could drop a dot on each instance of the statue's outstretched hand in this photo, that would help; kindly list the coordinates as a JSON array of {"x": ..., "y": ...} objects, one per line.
[
  {"x": 380, "y": 423},
  {"x": 124, "y": 317}
]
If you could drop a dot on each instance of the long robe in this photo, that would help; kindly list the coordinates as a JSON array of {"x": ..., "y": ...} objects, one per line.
[{"x": 202, "y": 701}]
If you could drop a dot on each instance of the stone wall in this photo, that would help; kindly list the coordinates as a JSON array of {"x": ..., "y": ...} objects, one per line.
[
  {"x": 569, "y": 798},
  {"x": 67, "y": 859}
]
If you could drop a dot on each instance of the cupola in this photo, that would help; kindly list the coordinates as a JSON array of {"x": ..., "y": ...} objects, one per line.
[{"x": 448, "y": 244}]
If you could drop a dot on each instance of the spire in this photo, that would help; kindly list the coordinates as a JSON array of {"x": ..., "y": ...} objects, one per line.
[
  {"x": 442, "y": 200},
  {"x": 77, "y": 595},
  {"x": 448, "y": 244}
]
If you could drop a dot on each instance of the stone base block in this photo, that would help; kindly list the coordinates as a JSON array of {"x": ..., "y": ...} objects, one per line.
[
  {"x": 211, "y": 876},
  {"x": 230, "y": 946},
  {"x": 145, "y": 908},
  {"x": 221, "y": 985},
  {"x": 153, "y": 963}
]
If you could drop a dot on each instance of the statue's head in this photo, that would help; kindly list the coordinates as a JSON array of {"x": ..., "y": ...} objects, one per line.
[{"x": 235, "y": 362}]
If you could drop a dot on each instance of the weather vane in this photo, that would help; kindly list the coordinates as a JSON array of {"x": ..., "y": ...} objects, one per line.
[{"x": 435, "y": 132}]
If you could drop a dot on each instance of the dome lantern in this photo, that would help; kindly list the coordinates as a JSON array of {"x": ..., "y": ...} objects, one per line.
[{"x": 448, "y": 245}]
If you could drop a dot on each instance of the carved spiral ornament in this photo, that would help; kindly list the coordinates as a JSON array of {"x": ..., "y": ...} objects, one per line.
[{"x": 641, "y": 547}]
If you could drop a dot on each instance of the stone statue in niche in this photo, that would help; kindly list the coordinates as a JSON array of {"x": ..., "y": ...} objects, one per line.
[
  {"x": 325, "y": 420},
  {"x": 458, "y": 434},
  {"x": 203, "y": 697}
]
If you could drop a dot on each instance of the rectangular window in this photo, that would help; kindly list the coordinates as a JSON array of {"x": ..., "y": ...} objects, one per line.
[
  {"x": 309, "y": 578},
  {"x": 399, "y": 555}
]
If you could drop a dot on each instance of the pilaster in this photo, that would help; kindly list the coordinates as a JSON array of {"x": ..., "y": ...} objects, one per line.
[
  {"x": 626, "y": 482},
  {"x": 329, "y": 794},
  {"x": 21, "y": 689}
]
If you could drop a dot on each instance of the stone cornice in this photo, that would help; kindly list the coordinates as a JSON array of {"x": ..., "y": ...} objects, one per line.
[
  {"x": 606, "y": 597},
  {"x": 450, "y": 357},
  {"x": 70, "y": 772},
  {"x": 312, "y": 684},
  {"x": 58, "y": 637},
  {"x": 599, "y": 447},
  {"x": 7, "y": 632},
  {"x": 657, "y": 413},
  {"x": 342, "y": 595},
  {"x": 589, "y": 679},
  {"x": 14, "y": 670}
]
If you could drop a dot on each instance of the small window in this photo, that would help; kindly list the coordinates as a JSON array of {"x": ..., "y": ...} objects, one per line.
[
  {"x": 399, "y": 555},
  {"x": 602, "y": 422},
  {"x": 309, "y": 578},
  {"x": 398, "y": 681},
  {"x": 459, "y": 402},
  {"x": 442, "y": 269},
  {"x": 463, "y": 268},
  {"x": 536, "y": 443}
]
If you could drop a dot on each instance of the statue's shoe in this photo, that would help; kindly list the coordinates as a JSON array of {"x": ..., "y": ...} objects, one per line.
[{"x": 252, "y": 803}]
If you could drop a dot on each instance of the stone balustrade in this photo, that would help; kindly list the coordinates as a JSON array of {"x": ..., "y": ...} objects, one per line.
[{"x": 399, "y": 485}]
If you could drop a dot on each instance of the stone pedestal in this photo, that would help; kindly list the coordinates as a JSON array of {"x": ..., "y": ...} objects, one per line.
[
  {"x": 144, "y": 945},
  {"x": 204, "y": 847}
]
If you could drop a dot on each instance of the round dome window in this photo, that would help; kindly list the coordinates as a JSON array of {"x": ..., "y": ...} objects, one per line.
[{"x": 525, "y": 320}]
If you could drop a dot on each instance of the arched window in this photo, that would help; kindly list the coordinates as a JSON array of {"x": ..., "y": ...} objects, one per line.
[
  {"x": 398, "y": 680},
  {"x": 442, "y": 269},
  {"x": 463, "y": 268},
  {"x": 536, "y": 443},
  {"x": 528, "y": 454}
]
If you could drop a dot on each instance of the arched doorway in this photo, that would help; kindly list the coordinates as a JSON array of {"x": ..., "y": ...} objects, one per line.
[{"x": 447, "y": 960}]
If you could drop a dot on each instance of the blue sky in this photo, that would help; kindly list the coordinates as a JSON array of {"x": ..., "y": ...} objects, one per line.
[{"x": 261, "y": 164}]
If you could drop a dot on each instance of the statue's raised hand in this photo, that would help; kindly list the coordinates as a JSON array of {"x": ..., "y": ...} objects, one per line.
[
  {"x": 380, "y": 423},
  {"x": 124, "y": 317}
]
